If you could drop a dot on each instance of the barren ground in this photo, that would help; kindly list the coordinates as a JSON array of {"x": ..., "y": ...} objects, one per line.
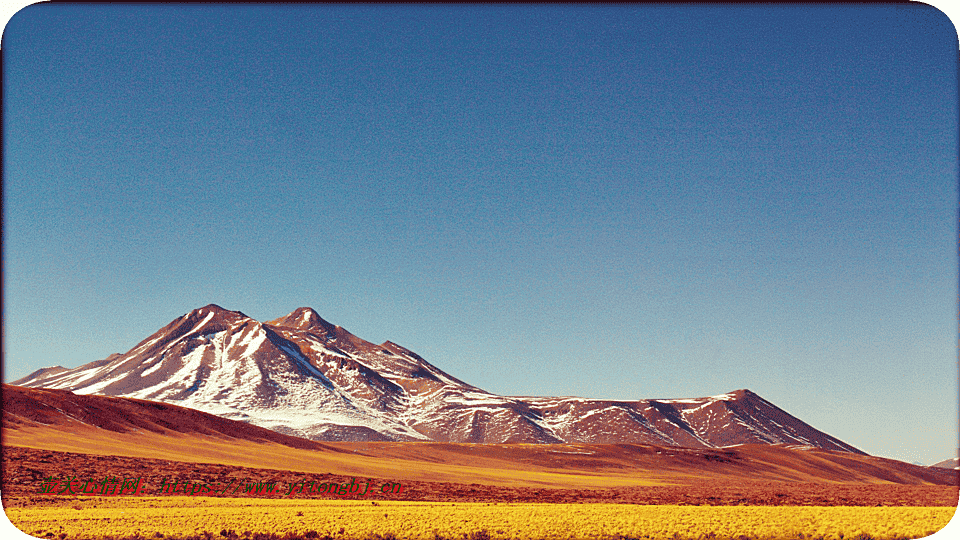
[{"x": 25, "y": 468}]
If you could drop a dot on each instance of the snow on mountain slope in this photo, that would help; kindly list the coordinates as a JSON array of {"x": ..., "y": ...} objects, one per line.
[
  {"x": 739, "y": 417},
  {"x": 303, "y": 376}
]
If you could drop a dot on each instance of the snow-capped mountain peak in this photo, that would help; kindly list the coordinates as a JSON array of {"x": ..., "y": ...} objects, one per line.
[
  {"x": 304, "y": 318},
  {"x": 303, "y": 376}
]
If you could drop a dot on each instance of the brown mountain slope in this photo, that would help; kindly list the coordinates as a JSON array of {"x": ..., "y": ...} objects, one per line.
[
  {"x": 64, "y": 422},
  {"x": 34, "y": 407}
]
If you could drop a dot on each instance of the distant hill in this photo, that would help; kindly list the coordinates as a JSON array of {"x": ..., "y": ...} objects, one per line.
[{"x": 952, "y": 463}]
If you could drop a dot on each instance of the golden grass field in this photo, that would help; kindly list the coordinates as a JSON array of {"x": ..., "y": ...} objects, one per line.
[{"x": 185, "y": 516}]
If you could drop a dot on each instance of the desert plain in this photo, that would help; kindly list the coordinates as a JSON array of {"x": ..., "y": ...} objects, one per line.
[{"x": 449, "y": 490}]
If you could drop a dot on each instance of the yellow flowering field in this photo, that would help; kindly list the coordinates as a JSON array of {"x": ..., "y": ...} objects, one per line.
[{"x": 182, "y": 516}]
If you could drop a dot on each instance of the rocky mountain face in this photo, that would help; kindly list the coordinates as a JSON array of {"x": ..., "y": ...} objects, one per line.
[{"x": 302, "y": 376}]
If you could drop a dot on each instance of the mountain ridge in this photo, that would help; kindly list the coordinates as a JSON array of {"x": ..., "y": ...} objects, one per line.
[
  {"x": 61, "y": 421},
  {"x": 302, "y": 375}
]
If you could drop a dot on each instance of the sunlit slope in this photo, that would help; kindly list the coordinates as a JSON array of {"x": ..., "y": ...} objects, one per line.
[
  {"x": 57, "y": 420},
  {"x": 437, "y": 466}
]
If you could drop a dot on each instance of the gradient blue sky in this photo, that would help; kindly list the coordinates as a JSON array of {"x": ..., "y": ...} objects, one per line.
[{"x": 611, "y": 202}]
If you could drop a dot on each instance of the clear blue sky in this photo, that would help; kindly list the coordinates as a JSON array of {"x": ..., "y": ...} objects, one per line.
[{"x": 610, "y": 202}]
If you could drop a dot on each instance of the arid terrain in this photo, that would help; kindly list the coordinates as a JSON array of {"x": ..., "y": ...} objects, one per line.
[
  {"x": 26, "y": 468},
  {"x": 467, "y": 488},
  {"x": 167, "y": 442}
]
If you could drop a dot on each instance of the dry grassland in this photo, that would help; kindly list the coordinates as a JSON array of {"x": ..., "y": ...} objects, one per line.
[
  {"x": 470, "y": 492},
  {"x": 150, "y": 517},
  {"x": 568, "y": 466},
  {"x": 350, "y": 462}
]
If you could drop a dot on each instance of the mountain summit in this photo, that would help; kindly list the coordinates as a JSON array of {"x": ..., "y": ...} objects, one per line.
[
  {"x": 301, "y": 375},
  {"x": 304, "y": 319}
]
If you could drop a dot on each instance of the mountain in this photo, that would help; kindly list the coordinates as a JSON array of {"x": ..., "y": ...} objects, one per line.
[
  {"x": 301, "y": 375},
  {"x": 98, "y": 435},
  {"x": 952, "y": 463}
]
